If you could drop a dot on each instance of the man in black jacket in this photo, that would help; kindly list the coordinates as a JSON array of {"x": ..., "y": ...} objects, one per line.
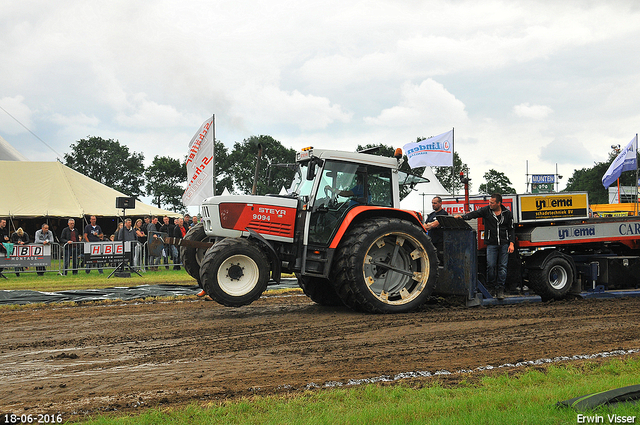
[
  {"x": 433, "y": 226},
  {"x": 499, "y": 237},
  {"x": 69, "y": 239}
]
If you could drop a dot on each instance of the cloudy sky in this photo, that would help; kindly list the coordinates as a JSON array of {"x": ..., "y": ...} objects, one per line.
[{"x": 544, "y": 81}]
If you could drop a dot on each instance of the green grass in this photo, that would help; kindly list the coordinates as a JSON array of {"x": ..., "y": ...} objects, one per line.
[
  {"x": 52, "y": 281},
  {"x": 528, "y": 398}
]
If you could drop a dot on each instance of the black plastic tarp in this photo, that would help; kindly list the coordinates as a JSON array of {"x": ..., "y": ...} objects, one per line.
[{"x": 116, "y": 293}]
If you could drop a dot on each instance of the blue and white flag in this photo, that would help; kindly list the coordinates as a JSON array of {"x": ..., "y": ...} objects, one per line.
[
  {"x": 625, "y": 161},
  {"x": 436, "y": 151}
]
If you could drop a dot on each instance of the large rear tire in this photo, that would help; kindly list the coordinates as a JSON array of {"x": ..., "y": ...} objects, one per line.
[
  {"x": 554, "y": 280},
  {"x": 190, "y": 257},
  {"x": 385, "y": 265},
  {"x": 234, "y": 272},
  {"x": 320, "y": 290}
]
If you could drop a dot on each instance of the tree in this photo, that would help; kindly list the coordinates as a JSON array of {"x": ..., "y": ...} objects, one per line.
[
  {"x": 450, "y": 179},
  {"x": 108, "y": 162},
  {"x": 224, "y": 179},
  {"x": 242, "y": 165},
  {"x": 496, "y": 182},
  {"x": 164, "y": 178},
  {"x": 389, "y": 151},
  {"x": 590, "y": 180}
]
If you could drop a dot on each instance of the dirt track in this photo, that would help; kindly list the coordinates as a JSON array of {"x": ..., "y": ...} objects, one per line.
[{"x": 128, "y": 356}]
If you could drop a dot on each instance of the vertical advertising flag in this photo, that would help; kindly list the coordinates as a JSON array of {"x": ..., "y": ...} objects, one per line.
[
  {"x": 436, "y": 151},
  {"x": 625, "y": 161},
  {"x": 200, "y": 165}
]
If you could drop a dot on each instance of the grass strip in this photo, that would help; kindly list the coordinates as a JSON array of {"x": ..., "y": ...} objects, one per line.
[{"x": 527, "y": 398}]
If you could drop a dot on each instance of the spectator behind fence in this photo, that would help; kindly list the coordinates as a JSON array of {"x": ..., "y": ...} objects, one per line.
[
  {"x": 20, "y": 237},
  {"x": 178, "y": 232},
  {"x": 169, "y": 250},
  {"x": 93, "y": 233},
  {"x": 152, "y": 231},
  {"x": 4, "y": 237},
  {"x": 69, "y": 238},
  {"x": 44, "y": 237},
  {"x": 141, "y": 237}
]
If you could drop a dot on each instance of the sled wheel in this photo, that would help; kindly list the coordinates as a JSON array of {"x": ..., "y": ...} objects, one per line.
[{"x": 554, "y": 280}]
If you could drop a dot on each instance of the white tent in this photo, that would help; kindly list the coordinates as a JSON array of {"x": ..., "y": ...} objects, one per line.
[
  {"x": 420, "y": 197},
  {"x": 9, "y": 153},
  {"x": 51, "y": 189}
]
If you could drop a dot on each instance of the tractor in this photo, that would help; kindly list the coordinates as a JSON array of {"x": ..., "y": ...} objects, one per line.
[{"x": 339, "y": 229}]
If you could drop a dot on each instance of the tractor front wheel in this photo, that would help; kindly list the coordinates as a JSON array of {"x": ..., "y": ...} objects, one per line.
[{"x": 234, "y": 272}]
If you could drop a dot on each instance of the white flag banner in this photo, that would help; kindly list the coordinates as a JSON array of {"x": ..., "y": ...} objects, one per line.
[
  {"x": 200, "y": 166},
  {"x": 436, "y": 151},
  {"x": 625, "y": 161}
]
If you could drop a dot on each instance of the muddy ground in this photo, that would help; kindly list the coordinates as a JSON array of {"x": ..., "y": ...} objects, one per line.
[{"x": 128, "y": 356}]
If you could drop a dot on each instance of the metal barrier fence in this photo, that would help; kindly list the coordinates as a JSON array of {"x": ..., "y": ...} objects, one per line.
[
  {"x": 141, "y": 259},
  {"x": 70, "y": 259}
]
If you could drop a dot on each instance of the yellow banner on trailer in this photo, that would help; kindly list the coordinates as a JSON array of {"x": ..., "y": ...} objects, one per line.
[{"x": 553, "y": 206}]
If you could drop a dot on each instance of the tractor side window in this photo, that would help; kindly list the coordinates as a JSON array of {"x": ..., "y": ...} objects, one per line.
[
  {"x": 380, "y": 192},
  {"x": 339, "y": 184},
  {"x": 337, "y": 191}
]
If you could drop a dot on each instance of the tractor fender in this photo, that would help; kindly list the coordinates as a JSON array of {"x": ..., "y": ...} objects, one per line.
[
  {"x": 359, "y": 213},
  {"x": 270, "y": 251},
  {"x": 539, "y": 259}
]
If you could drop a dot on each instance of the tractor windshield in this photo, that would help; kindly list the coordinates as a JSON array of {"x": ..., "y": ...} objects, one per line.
[{"x": 300, "y": 186}]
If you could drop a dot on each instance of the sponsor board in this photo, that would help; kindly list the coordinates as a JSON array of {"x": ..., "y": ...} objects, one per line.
[
  {"x": 553, "y": 207},
  {"x": 107, "y": 251},
  {"x": 28, "y": 256},
  {"x": 590, "y": 231}
]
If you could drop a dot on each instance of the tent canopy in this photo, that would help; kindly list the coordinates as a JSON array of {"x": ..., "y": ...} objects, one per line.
[{"x": 51, "y": 189}]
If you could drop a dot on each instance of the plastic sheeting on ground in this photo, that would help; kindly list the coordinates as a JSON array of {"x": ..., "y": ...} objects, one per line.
[{"x": 21, "y": 297}]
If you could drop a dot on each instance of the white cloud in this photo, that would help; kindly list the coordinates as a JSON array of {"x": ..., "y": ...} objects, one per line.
[
  {"x": 428, "y": 104},
  {"x": 536, "y": 112},
  {"x": 15, "y": 109},
  {"x": 269, "y": 105}
]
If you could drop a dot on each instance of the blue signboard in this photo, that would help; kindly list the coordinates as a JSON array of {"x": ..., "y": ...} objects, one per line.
[{"x": 543, "y": 178}]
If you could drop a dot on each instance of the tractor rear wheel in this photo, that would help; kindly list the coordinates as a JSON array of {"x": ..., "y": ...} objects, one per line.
[
  {"x": 190, "y": 257},
  {"x": 320, "y": 290},
  {"x": 385, "y": 265},
  {"x": 234, "y": 272}
]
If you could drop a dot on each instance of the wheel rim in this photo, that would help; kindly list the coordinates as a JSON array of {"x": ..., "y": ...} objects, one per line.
[
  {"x": 238, "y": 275},
  {"x": 396, "y": 268},
  {"x": 558, "y": 277}
]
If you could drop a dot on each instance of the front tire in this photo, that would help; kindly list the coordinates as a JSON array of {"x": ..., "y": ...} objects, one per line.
[
  {"x": 554, "y": 280},
  {"x": 234, "y": 272},
  {"x": 385, "y": 265}
]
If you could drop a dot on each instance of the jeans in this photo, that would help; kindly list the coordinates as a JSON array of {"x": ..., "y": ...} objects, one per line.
[
  {"x": 497, "y": 260},
  {"x": 71, "y": 253}
]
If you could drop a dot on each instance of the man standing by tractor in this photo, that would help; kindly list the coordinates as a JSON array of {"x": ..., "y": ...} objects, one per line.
[
  {"x": 433, "y": 226},
  {"x": 499, "y": 237}
]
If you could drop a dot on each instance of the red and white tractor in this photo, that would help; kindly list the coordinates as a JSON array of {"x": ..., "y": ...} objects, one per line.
[{"x": 339, "y": 229}]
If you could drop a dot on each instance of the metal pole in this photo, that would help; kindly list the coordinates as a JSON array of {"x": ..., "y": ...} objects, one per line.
[
  {"x": 453, "y": 161},
  {"x": 213, "y": 154}
]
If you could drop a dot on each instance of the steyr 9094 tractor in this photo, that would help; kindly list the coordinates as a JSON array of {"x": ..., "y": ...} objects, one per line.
[{"x": 339, "y": 229}]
